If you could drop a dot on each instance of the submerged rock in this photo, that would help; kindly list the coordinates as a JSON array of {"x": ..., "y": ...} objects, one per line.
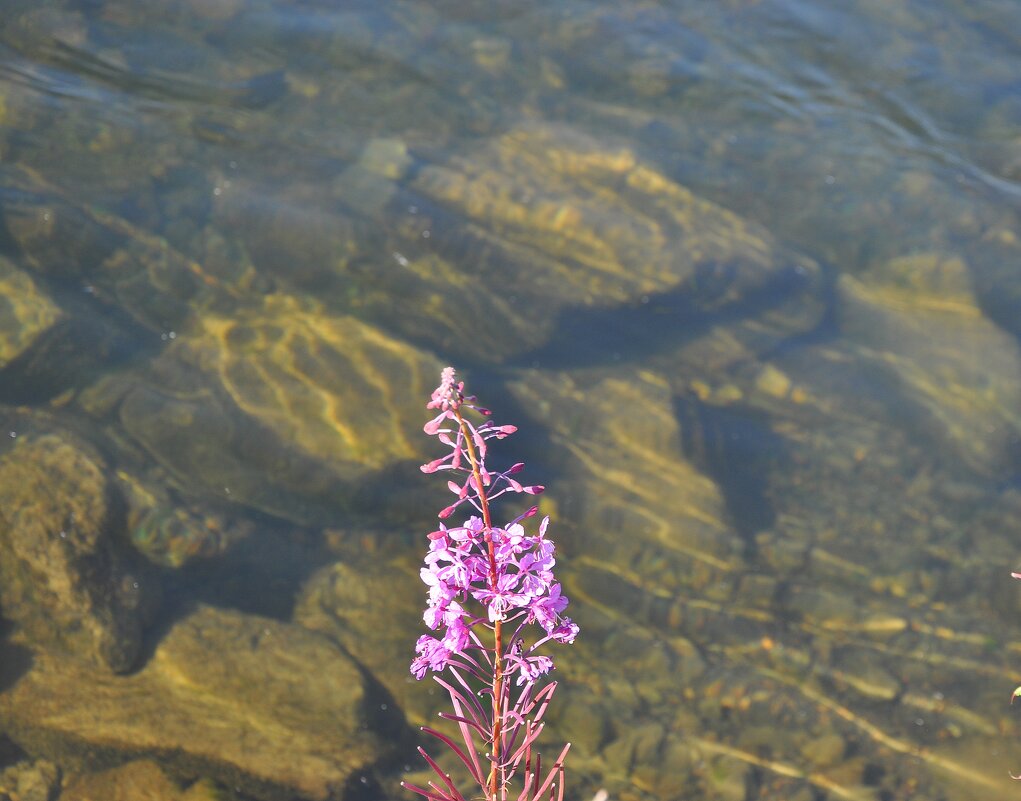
[
  {"x": 334, "y": 387},
  {"x": 837, "y": 619},
  {"x": 582, "y": 225},
  {"x": 338, "y": 601},
  {"x": 543, "y": 232},
  {"x": 625, "y": 438},
  {"x": 30, "y": 781},
  {"x": 65, "y": 579},
  {"x": 25, "y": 312},
  {"x": 272, "y": 709},
  {"x": 142, "y": 780},
  {"x": 170, "y": 531},
  {"x": 281, "y": 407},
  {"x": 116, "y": 263},
  {"x": 917, "y": 324}
]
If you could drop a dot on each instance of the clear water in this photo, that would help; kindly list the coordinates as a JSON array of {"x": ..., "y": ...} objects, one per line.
[{"x": 744, "y": 273}]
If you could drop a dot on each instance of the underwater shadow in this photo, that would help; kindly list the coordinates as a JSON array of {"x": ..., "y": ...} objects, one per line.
[
  {"x": 735, "y": 447},
  {"x": 90, "y": 337},
  {"x": 15, "y": 660},
  {"x": 264, "y": 573},
  {"x": 591, "y": 337}
]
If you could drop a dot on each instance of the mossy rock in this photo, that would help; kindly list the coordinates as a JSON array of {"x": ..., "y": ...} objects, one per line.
[
  {"x": 273, "y": 709},
  {"x": 26, "y": 312},
  {"x": 118, "y": 264},
  {"x": 957, "y": 375},
  {"x": 282, "y": 407},
  {"x": 66, "y": 576}
]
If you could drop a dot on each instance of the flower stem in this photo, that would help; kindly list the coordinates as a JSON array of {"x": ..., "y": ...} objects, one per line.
[{"x": 498, "y": 623}]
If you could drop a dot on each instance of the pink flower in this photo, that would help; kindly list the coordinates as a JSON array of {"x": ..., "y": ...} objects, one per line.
[
  {"x": 485, "y": 582},
  {"x": 519, "y": 582},
  {"x": 433, "y": 655},
  {"x": 546, "y": 610}
]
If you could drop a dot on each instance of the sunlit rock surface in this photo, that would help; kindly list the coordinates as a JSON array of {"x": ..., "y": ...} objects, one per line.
[
  {"x": 583, "y": 226},
  {"x": 809, "y": 640},
  {"x": 273, "y": 709},
  {"x": 623, "y": 431},
  {"x": 282, "y": 407},
  {"x": 334, "y": 387},
  {"x": 958, "y": 375},
  {"x": 141, "y": 780},
  {"x": 25, "y": 312},
  {"x": 65, "y": 577},
  {"x": 339, "y": 602}
]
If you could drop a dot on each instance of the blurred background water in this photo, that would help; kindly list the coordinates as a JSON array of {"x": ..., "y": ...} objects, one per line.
[{"x": 744, "y": 273}]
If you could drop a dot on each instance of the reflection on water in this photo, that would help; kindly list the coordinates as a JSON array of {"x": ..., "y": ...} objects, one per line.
[{"x": 744, "y": 273}]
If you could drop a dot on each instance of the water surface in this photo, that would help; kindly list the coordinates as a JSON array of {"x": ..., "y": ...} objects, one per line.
[{"x": 743, "y": 273}]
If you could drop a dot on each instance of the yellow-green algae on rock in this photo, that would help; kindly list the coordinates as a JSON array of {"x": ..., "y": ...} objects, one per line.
[
  {"x": 486, "y": 249},
  {"x": 140, "y": 780},
  {"x": 916, "y": 321},
  {"x": 625, "y": 439},
  {"x": 270, "y": 708},
  {"x": 65, "y": 576},
  {"x": 25, "y": 312},
  {"x": 336, "y": 388},
  {"x": 281, "y": 406}
]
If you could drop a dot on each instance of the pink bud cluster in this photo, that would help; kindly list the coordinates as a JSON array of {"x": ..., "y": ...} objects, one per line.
[{"x": 452, "y": 431}]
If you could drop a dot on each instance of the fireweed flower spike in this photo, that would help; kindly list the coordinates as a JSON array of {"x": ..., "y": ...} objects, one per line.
[{"x": 486, "y": 582}]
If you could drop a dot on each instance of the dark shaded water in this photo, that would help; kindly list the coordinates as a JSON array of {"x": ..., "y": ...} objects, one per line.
[{"x": 744, "y": 274}]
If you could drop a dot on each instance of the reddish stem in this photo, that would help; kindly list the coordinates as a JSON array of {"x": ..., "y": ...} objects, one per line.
[{"x": 497, "y": 624}]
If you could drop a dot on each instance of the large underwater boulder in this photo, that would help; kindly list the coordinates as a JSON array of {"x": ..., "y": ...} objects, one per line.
[{"x": 272, "y": 709}]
